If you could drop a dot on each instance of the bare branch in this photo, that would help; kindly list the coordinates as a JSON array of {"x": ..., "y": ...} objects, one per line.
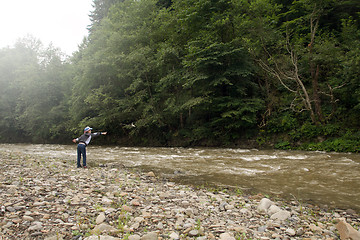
[{"x": 276, "y": 74}]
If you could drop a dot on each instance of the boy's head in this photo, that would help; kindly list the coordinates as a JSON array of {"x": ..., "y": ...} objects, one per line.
[{"x": 87, "y": 129}]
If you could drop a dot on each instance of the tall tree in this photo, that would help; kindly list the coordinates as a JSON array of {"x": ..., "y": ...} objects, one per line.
[{"x": 33, "y": 103}]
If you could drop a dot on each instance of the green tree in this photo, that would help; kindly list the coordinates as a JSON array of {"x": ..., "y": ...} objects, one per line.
[{"x": 35, "y": 83}]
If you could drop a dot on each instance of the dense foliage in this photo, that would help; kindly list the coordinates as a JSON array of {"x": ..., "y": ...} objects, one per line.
[{"x": 282, "y": 73}]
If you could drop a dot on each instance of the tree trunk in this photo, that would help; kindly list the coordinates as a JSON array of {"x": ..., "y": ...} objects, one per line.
[
  {"x": 316, "y": 97},
  {"x": 314, "y": 68}
]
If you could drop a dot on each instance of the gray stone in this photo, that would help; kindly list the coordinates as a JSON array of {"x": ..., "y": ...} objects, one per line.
[
  {"x": 139, "y": 219},
  {"x": 264, "y": 205},
  {"x": 202, "y": 238},
  {"x": 315, "y": 228},
  {"x": 103, "y": 227},
  {"x": 135, "y": 226},
  {"x": 11, "y": 209},
  {"x": 100, "y": 218},
  {"x": 35, "y": 227},
  {"x": 55, "y": 237},
  {"x": 101, "y": 237},
  {"x": 273, "y": 209},
  {"x": 28, "y": 218},
  {"x": 282, "y": 215},
  {"x": 174, "y": 236},
  {"x": 150, "y": 236},
  {"x": 300, "y": 231},
  {"x": 106, "y": 201},
  {"x": 36, "y": 234},
  {"x": 189, "y": 212},
  {"x": 134, "y": 237},
  {"x": 246, "y": 212},
  {"x": 226, "y": 236},
  {"x": 160, "y": 225},
  {"x": 229, "y": 207},
  {"x": 290, "y": 232},
  {"x": 193, "y": 233}
]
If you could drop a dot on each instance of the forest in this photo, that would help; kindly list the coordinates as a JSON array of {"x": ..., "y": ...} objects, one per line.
[{"x": 278, "y": 74}]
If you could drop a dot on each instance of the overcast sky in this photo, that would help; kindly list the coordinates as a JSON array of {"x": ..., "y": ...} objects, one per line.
[{"x": 62, "y": 22}]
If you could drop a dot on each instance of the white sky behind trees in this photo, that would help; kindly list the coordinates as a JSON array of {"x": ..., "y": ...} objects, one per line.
[{"x": 60, "y": 22}]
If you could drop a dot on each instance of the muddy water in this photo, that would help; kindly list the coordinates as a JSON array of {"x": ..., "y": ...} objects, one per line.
[{"x": 323, "y": 178}]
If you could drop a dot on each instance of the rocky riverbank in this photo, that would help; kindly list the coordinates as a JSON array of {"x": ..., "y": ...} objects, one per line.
[{"x": 51, "y": 199}]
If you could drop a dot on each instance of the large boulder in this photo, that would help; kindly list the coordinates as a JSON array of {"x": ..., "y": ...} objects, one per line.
[
  {"x": 264, "y": 205},
  {"x": 273, "y": 209},
  {"x": 346, "y": 231},
  {"x": 281, "y": 215}
]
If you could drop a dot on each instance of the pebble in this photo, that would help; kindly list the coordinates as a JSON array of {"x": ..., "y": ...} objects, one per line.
[
  {"x": 290, "y": 232},
  {"x": 226, "y": 236},
  {"x": 134, "y": 237},
  {"x": 281, "y": 215},
  {"x": 193, "y": 233},
  {"x": 174, "y": 236},
  {"x": 150, "y": 236},
  {"x": 55, "y": 200},
  {"x": 100, "y": 218},
  {"x": 28, "y": 218}
]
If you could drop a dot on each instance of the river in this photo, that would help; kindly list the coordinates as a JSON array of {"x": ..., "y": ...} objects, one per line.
[{"x": 319, "y": 177}]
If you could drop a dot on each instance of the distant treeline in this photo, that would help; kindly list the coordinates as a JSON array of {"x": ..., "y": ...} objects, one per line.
[{"x": 267, "y": 73}]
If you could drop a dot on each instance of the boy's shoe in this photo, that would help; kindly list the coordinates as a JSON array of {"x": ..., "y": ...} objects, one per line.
[
  {"x": 85, "y": 166},
  {"x": 79, "y": 166}
]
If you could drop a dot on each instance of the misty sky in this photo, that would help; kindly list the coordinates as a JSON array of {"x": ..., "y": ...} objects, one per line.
[{"x": 62, "y": 22}]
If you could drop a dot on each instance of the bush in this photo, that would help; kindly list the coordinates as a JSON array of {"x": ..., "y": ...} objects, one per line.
[{"x": 285, "y": 145}]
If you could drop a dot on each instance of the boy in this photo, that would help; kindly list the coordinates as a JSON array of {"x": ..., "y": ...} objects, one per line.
[{"x": 83, "y": 141}]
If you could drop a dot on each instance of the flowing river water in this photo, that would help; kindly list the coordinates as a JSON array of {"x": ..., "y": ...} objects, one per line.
[{"x": 319, "y": 177}]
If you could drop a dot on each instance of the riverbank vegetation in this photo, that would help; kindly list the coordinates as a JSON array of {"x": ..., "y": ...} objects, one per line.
[{"x": 262, "y": 73}]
